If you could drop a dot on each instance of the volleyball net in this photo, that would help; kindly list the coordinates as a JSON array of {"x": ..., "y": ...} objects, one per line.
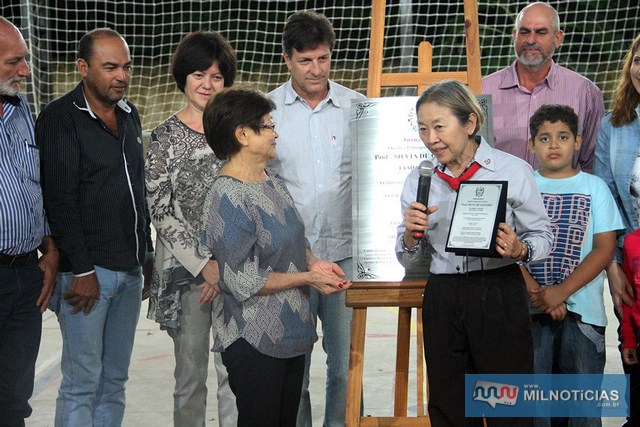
[{"x": 597, "y": 35}]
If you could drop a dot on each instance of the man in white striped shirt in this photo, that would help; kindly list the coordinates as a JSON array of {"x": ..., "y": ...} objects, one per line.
[{"x": 26, "y": 282}]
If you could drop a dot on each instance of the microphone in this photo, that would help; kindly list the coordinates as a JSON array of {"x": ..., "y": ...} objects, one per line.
[{"x": 425, "y": 169}]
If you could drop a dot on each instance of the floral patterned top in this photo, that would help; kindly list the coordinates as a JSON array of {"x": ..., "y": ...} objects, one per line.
[
  {"x": 254, "y": 228},
  {"x": 180, "y": 169}
]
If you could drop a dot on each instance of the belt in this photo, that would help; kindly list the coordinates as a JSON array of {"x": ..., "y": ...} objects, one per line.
[{"x": 19, "y": 260}]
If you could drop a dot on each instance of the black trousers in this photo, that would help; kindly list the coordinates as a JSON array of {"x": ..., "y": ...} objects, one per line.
[
  {"x": 267, "y": 389},
  {"x": 474, "y": 323},
  {"x": 20, "y": 331}
]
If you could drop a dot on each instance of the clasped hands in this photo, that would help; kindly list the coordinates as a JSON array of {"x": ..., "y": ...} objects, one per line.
[
  {"x": 209, "y": 288},
  {"x": 550, "y": 300},
  {"x": 327, "y": 277}
]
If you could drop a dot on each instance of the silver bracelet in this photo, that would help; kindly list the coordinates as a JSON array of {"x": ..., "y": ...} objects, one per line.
[
  {"x": 413, "y": 250},
  {"x": 529, "y": 251}
]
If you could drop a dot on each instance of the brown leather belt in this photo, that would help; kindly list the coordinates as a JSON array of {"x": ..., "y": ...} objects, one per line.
[{"x": 19, "y": 260}]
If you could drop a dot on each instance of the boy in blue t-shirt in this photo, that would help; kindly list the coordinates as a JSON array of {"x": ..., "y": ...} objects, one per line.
[{"x": 568, "y": 316}]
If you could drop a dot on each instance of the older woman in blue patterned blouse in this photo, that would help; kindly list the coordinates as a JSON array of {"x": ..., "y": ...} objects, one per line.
[{"x": 266, "y": 266}]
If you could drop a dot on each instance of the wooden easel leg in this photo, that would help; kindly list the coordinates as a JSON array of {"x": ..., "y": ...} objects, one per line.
[
  {"x": 356, "y": 365},
  {"x": 402, "y": 362},
  {"x": 420, "y": 366}
]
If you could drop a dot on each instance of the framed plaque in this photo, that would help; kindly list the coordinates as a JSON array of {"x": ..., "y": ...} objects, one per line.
[{"x": 480, "y": 207}]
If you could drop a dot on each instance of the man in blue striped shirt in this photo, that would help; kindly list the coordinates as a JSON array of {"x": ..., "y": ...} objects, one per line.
[{"x": 26, "y": 282}]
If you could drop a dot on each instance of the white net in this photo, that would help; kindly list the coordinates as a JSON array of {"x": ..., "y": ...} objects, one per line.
[{"x": 598, "y": 33}]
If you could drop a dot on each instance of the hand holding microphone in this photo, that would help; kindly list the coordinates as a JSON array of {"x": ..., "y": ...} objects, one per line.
[{"x": 425, "y": 169}]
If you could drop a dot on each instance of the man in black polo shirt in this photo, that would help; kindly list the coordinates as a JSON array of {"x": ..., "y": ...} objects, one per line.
[{"x": 93, "y": 185}]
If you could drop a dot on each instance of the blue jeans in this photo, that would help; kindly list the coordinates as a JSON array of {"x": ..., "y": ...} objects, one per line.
[
  {"x": 96, "y": 350},
  {"x": 569, "y": 346},
  {"x": 336, "y": 337},
  {"x": 20, "y": 330}
]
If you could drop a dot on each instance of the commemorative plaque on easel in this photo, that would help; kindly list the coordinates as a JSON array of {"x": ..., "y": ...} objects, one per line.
[
  {"x": 386, "y": 146},
  {"x": 480, "y": 207}
]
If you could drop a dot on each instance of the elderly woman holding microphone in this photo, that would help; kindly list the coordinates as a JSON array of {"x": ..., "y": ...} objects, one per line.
[
  {"x": 266, "y": 266},
  {"x": 475, "y": 309}
]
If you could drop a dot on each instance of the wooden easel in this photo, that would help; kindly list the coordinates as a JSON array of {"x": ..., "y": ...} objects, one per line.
[
  {"x": 424, "y": 77},
  {"x": 406, "y": 294}
]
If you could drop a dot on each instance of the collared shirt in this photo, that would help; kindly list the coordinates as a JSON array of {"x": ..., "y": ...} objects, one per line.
[
  {"x": 93, "y": 185},
  {"x": 22, "y": 219},
  {"x": 525, "y": 214},
  {"x": 513, "y": 105},
  {"x": 313, "y": 155}
]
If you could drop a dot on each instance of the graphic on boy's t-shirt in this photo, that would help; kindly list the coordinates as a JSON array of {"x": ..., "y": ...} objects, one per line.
[{"x": 569, "y": 217}]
